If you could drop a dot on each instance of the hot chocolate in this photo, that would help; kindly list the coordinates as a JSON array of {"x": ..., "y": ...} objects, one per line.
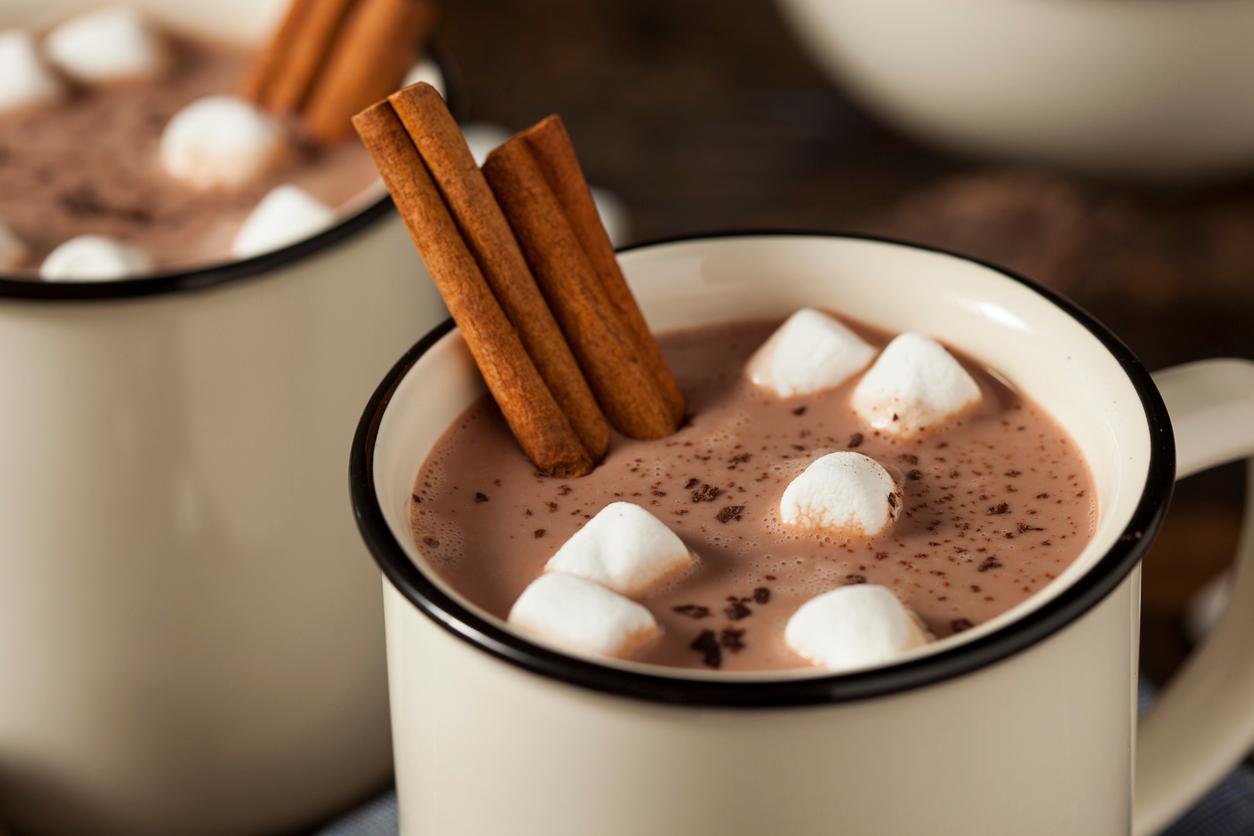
[
  {"x": 126, "y": 148},
  {"x": 995, "y": 503},
  {"x": 89, "y": 165}
]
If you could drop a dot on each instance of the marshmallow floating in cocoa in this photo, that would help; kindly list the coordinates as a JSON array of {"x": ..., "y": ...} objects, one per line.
[
  {"x": 106, "y": 45},
  {"x": 808, "y": 353},
  {"x": 854, "y": 627},
  {"x": 24, "y": 79},
  {"x": 13, "y": 251},
  {"x": 624, "y": 548},
  {"x": 220, "y": 142},
  {"x": 284, "y": 216},
  {"x": 582, "y": 616},
  {"x": 914, "y": 385},
  {"x": 94, "y": 258},
  {"x": 845, "y": 493},
  {"x": 427, "y": 71}
]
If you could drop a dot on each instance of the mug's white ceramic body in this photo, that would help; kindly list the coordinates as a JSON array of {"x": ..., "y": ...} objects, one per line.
[
  {"x": 1147, "y": 88},
  {"x": 191, "y": 641},
  {"x": 1023, "y": 725}
]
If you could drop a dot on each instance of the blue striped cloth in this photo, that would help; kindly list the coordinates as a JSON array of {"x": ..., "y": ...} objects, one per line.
[{"x": 1227, "y": 811}]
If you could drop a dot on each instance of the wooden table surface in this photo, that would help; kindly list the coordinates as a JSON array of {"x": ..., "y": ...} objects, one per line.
[{"x": 706, "y": 116}]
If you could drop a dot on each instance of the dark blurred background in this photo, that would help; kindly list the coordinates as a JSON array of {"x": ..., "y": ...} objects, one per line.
[{"x": 707, "y": 115}]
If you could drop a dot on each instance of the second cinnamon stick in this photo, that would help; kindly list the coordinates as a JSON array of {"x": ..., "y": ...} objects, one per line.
[
  {"x": 533, "y": 414},
  {"x": 602, "y": 341}
]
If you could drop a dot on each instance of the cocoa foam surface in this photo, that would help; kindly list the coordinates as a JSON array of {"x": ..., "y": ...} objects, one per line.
[{"x": 997, "y": 504}]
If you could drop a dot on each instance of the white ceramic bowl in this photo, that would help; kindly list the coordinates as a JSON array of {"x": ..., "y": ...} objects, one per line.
[{"x": 1132, "y": 88}]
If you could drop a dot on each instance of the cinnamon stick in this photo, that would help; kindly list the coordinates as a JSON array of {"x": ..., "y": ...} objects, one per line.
[
  {"x": 496, "y": 251},
  {"x": 284, "y": 74},
  {"x": 530, "y": 408},
  {"x": 602, "y": 341},
  {"x": 550, "y": 144},
  {"x": 369, "y": 57}
]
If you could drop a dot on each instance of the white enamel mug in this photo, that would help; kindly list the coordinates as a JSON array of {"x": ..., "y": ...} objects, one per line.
[
  {"x": 1024, "y": 725},
  {"x": 191, "y": 639}
]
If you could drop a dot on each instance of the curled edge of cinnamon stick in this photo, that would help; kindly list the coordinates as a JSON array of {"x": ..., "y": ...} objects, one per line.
[
  {"x": 555, "y": 153},
  {"x": 533, "y": 415},
  {"x": 377, "y": 43},
  {"x": 491, "y": 240},
  {"x": 598, "y": 334}
]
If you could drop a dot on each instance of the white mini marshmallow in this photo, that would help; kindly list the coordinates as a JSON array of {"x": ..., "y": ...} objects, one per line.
[
  {"x": 483, "y": 138},
  {"x": 220, "y": 142},
  {"x": 427, "y": 71},
  {"x": 106, "y": 45},
  {"x": 854, "y": 627},
  {"x": 915, "y": 384},
  {"x": 808, "y": 353},
  {"x": 13, "y": 250},
  {"x": 284, "y": 216},
  {"x": 24, "y": 80},
  {"x": 94, "y": 258},
  {"x": 623, "y": 548},
  {"x": 845, "y": 492},
  {"x": 582, "y": 616}
]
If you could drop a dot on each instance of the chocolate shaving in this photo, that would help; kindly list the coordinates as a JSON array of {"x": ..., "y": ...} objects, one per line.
[
  {"x": 732, "y": 639},
  {"x": 538, "y": 533},
  {"x": 692, "y": 610},
  {"x": 990, "y": 563},
  {"x": 729, "y": 513},
  {"x": 855, "y": 579},
  {"x": 801, "y": 410},
  {"x": 855, "y": 440},
  {"x": 909, "y": 458},
  {"x": 706, "y": 643},
  {"x": 481, "y": 497},
  {"x": 959, "y": 625},
  {"x": 706, "y": 493},
  {"x": 736, "y": 611},
  {"x": 999, "y": 508},
  {"x": 914, "y": 475},
  {"x": 761, "y": 595},
  {"x": 691, "y": 483}
]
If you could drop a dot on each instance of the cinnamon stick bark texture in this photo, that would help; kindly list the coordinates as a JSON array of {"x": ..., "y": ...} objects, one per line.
[
  {"x": 488, "y": 234},
  {"x": 377, "y": 45},
  {"x": 555, "y": 153},
  {"x": 533, "y": 414},
  {"x": 603, "y": 342},
  {"x": 281, "y": 79},
  {"x": 329, "y": 59}
]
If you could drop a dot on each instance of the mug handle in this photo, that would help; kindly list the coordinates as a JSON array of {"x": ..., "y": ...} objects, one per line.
[{"x": 1203, "y": 723}]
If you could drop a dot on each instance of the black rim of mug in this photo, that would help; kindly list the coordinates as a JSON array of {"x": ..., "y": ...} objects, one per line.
[
  {"x": 228, "y": 272},
  {"x": 489, "y": 636}
]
